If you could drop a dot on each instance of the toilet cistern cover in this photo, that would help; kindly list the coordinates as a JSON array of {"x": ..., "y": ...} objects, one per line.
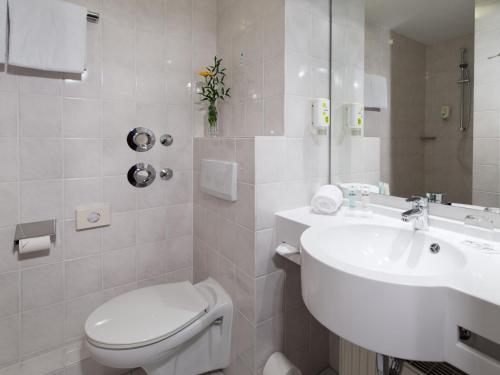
[{"x": 145, "y": 316}]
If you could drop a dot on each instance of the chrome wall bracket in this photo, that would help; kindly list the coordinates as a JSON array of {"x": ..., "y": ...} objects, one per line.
[
  {"x": 35, "y": 229},
  {"x": 166, "y": 140},
  {"x": 166, "y": 174}
]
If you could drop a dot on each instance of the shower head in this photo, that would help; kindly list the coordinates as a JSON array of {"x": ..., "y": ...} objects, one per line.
[
  {"x": 463, "y": 51},
  {"x": 463, "y": 64}
]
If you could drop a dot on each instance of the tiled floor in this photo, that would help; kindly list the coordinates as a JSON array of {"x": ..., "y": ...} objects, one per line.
[
  {"x": 141, "y": 372},
  {"x": 326, "y": 372}
]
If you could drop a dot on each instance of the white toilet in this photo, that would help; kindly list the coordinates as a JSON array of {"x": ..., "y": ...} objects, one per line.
[{"x": 169, "y": 329}]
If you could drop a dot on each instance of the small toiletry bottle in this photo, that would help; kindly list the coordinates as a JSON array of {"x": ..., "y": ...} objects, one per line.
[
  {"x": 365, "y": 200},
  {"x": 381, "y": 188},
  {"x": 352, "y": 199},
  {"x": 387, "y": 190}
]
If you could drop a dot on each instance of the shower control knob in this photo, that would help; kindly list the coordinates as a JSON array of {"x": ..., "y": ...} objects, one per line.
[
  {"x": 166, "y": 174},
  {"x": 140, "y": 175}
]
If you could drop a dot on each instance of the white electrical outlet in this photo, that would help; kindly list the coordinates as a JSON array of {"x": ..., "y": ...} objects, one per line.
[{"x": 94, "y": 216}]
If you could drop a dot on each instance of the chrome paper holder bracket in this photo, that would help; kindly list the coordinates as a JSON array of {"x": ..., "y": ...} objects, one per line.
[{"x": 35, "y": 229}]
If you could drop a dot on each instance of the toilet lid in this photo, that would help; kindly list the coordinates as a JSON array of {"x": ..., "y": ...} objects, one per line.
[{"x": 145, "y": 316}]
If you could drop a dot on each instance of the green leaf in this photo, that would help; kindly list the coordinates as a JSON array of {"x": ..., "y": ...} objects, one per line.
[{"x": 213, "y": 88}]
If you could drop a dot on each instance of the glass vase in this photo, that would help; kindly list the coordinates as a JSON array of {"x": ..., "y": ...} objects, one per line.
[{"x": 213, "y": 128}]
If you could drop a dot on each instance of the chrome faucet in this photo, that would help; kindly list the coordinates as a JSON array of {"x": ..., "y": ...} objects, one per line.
[{"x": 418, "y": 214}]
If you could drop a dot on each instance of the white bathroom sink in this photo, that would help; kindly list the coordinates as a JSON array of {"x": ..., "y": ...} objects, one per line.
[
  {"x": 389, "y": 249},
  {"x": 375, "y": 282}
]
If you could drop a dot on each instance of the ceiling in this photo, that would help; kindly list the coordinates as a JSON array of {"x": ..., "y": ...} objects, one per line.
[{"x": 426, "y": 21}]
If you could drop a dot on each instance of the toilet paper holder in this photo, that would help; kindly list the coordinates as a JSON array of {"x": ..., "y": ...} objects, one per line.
[{"x": 35, "y": 229}]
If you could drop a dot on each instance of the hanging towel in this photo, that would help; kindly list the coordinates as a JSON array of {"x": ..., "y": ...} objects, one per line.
[
  {"x": 375, "y": 91},
  {"x": 47, "y": 35},
  {"x": 3, "y": 30},
  {"x": 327, "y": 200}
]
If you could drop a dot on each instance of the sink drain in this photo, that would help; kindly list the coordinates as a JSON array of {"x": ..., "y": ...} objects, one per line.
[{"x": 434, "y": 248}]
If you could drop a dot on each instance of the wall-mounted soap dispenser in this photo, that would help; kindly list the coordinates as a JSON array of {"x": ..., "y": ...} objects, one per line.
[
  {"x": 354, "y": 119},
  {"x": 320, "y": 116}
]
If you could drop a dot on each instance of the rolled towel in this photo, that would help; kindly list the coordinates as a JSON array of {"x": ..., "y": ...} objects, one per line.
[{"x": 327, "y": 200}]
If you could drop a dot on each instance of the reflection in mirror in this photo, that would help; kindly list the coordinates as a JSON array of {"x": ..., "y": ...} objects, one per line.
[{"x": 411, "y": 65}]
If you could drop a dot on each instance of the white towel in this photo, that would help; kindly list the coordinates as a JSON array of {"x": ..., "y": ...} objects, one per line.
[
  {"x": 3, "y": 30},
  {"x": 375, "y": 91},
  {"x": 47, "y": 35},
  {"x": 327, "y": 200}
]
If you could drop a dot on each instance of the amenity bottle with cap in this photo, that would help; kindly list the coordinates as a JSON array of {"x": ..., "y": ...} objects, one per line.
[
  {"x": 365, "y": 200},
  {"x": 352, "y": 199}
]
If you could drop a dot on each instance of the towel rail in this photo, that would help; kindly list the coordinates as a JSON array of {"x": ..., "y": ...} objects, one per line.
[{"x": 93, "y": 17}]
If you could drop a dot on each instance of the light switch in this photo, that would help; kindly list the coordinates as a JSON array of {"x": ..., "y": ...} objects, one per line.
[
  {"x": 445, "y": 112},
  {"x": 94, "y": 216}
]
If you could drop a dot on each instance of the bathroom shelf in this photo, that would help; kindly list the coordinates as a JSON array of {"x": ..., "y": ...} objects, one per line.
[
  {"x": 428, "y": 138},
  {"x": 35, "y": 229}
]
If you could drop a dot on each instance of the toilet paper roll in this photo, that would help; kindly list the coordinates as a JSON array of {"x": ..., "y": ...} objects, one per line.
[
  {"x": 278, "y": 364},
  {"x": 30, "y": 245}
]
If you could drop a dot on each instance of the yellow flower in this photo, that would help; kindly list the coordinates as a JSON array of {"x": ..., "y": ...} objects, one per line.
[{"x": 206, "y": 74}]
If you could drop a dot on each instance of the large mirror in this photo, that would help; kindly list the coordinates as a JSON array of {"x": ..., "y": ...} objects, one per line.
[{"x": 411, "y": 98}]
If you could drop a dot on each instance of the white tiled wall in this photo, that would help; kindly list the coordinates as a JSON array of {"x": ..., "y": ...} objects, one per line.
[
  {"x": 67, "y": 139},
  {"x": 250, "y": 39},
  {"x": 378, "y": 124},
  {"x": 228, "y": 248},
  {"x": 62, "y": 144},
  {"x": 351, "y": 157},
  {"x": 485, "y": 185},
  {"x": 227, "y": 245},
  {"x": 289, "y": 169},
  {"x": 280, "y": 165}
]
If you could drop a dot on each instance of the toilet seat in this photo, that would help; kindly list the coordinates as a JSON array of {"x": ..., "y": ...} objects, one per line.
[{"x": 145, "y": 316}]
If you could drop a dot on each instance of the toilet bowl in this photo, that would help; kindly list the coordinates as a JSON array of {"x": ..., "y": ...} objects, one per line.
[{"x": 168, "y": 329}]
